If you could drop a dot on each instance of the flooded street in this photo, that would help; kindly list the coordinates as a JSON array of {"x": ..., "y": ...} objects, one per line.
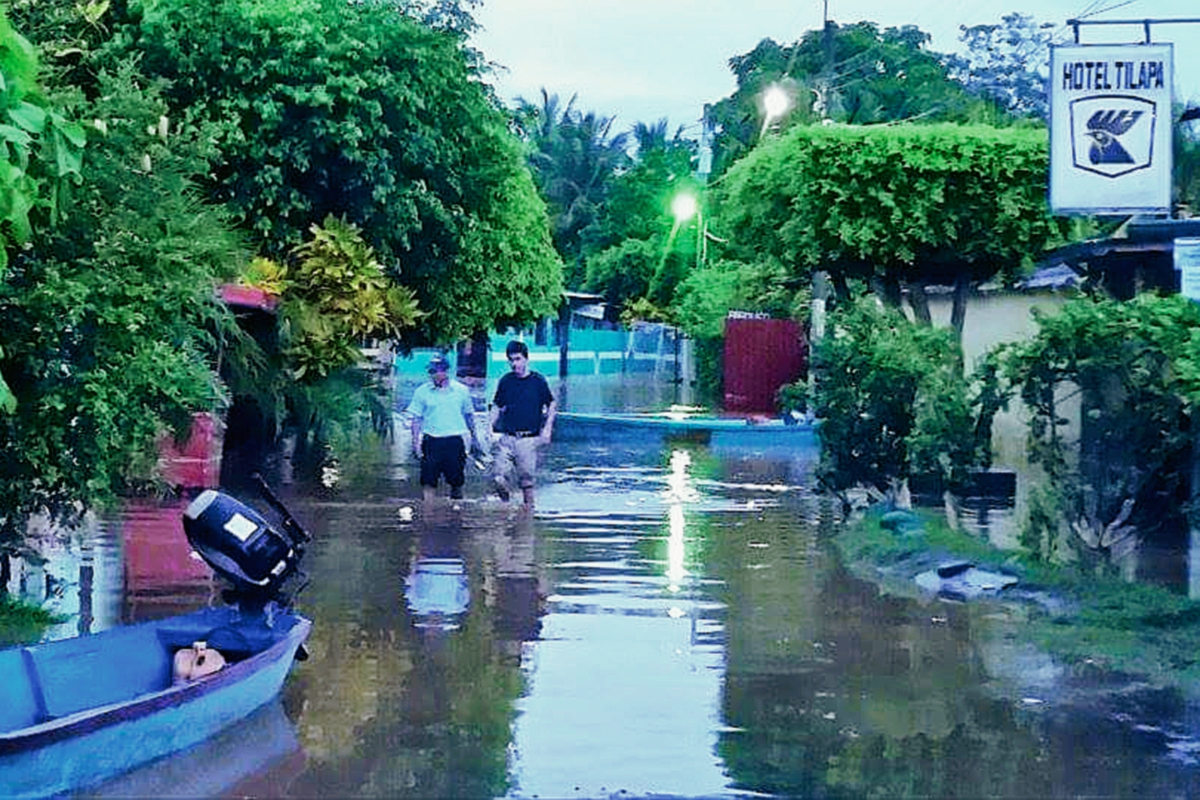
[{"x": 671, "y": 621}]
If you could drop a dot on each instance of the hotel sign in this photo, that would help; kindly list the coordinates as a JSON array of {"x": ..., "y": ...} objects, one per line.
[{"x": 1110, "y": 128}]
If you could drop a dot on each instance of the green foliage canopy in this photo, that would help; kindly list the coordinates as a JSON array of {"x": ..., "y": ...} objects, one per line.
[
  {"x": 1009, "y": 62},
  {"x": 857, "y": 74},
  {"x": 575, "y": 158},
  {"x": 111, "y": 322},
  {"x": 902, "y": 205},
  {"x": 634, "y": 249},
  {"x": 1135, "y": 367},
  {"x": 321, "y": 108}
]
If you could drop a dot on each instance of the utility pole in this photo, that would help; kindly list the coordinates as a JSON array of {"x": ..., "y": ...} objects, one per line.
[
  {"x": 820, "y": 279},
  {"x": 823, "y": 87}
]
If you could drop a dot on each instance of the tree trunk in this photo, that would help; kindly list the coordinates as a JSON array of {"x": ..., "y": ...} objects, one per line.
[
  {"x": 962, "y": 286},
  {"x": 919, "y": 302},
  {"x": 887, "y": 289}
]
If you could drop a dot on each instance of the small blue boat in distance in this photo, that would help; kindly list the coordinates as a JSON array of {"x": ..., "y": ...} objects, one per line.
[
  {"x": 76, "y": 712},
  {"x": 728, "y": 431}
]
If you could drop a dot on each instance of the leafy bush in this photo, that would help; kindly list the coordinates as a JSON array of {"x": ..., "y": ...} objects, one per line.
[
  {"x": 1135, "y": 367},
  {"x": 111, "y": 322},
  {"x": 893, "y": 403},
  {"x": 23, "y": 623}
]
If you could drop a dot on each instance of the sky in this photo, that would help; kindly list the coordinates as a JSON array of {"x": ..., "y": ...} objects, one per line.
[{"x": 645, "y": 60}]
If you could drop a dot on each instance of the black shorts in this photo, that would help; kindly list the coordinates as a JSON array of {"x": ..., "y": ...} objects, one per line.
[{"x": 443, "y": 455}]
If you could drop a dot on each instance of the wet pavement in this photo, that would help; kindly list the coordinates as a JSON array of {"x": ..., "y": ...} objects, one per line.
[{"x": 671, "y": 621}]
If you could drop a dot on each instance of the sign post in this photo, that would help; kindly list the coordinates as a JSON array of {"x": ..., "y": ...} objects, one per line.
[{"x": 1110, "y": 128}]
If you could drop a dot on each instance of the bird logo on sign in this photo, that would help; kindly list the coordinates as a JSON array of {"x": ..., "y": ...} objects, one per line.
[
  {"x": 1106, "y": 126},
  {"x": 1113, "y": 135}
]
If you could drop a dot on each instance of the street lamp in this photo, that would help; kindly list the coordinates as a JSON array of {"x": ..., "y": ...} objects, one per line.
[
  {"x": 684, "y": 207},
  {"x": 776, "y": 102}
]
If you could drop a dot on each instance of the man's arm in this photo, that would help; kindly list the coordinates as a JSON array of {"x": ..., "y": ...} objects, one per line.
[
  {"x": 548, "y": 425},
  {"x": 416, "y": 408},
  {"x": 416, "y": 436},
  {"x": 468, "y": 414}
]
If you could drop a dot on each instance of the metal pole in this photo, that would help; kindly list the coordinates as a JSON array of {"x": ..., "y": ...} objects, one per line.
[{"x": 1145, "y": 23}]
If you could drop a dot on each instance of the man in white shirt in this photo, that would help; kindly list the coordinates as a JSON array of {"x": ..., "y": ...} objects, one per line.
[{"x": 442, "y": 414}]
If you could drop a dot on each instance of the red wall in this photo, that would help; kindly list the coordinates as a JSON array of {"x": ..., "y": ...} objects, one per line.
[
  {"x": 760, "y": 356},
  {"x": 195, "y": 463}
]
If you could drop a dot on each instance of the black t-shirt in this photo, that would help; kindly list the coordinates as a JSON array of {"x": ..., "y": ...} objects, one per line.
[{"x": 523, "y": 402}]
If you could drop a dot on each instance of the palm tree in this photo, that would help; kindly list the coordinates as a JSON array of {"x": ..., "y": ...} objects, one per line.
[{"x": 574, "y": 157}]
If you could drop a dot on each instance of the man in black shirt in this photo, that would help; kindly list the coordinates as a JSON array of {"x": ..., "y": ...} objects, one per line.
[{"x": 522, "y": 415}]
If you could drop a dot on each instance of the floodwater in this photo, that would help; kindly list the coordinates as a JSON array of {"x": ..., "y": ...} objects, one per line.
[{"x": 670, "y": 621}]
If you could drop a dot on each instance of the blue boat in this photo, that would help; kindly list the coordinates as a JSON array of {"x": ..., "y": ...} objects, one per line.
[
  {"x": 76, "y": 712},
  {"x": 259, "y": 756},
  {"x": 729, "y": 431},
  {"x": 80, "y": 711}
]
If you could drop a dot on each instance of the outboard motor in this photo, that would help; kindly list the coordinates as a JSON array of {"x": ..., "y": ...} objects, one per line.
[{"x": 238, "y": 542}]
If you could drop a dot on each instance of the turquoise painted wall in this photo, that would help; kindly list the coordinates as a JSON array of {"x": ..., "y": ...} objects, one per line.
[{"x": 590, "y": 352}]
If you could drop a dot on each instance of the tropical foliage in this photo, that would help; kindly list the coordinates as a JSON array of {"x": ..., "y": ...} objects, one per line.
[
  {"x": 894, "y": 405},
  {"x": 111, "y": 324},
  {"x": 358, "y": 111},
  {"x": 216, "y": 135},
  {"x": 336, "y": 297},
  {"x": 574, "y": 157},
  {"x": 1008, "y": 62},
  {"x": 40, "y": 152},
  {"x": 856, "y": 74}
]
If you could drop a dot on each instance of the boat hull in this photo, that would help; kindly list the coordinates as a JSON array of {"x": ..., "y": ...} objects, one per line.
[
  {"x": 721, "y": 431},
  {"x": 80, "y": 749}
]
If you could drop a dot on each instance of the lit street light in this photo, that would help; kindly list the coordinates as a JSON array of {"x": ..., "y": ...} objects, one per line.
[
  {"x": 684, "y": 207},
  {"x": 776, "y": 102}
]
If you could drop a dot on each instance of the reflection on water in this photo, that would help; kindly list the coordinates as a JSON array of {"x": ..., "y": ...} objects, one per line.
[{"x": 671, "y": 620}]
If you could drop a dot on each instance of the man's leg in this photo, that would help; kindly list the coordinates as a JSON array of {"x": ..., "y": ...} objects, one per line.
[
  {"x": 502, "y": 466},
  {"x": 456, "y": 467},
  {"x": 526, "y": 466},
  {"x": 429, "y": 472}
]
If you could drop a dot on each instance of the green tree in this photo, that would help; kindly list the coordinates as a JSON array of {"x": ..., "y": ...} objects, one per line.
[
  {"x": 895, "y": 208},
  {"x": 894, "y": 404},
  {"x": 855, "y": 74},
  {"x": 1135, "y": 367},
  {"x": 319, "y": 107},
  {"x": 111, "y": 322},
  {"x": 1008, "y": 62},
  {"x": 634, "y": 249},
  {"x": 638, "y": 199}
]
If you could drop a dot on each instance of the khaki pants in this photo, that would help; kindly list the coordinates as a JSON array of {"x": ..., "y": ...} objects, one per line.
[{"x": 516, "y": 454}]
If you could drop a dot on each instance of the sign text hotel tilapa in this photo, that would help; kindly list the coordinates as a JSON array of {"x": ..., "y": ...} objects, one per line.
[{"x": 1113, "y": 75}]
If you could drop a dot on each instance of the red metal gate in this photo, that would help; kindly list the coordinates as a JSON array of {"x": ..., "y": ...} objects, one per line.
[{"x": 760, "y": 356}]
